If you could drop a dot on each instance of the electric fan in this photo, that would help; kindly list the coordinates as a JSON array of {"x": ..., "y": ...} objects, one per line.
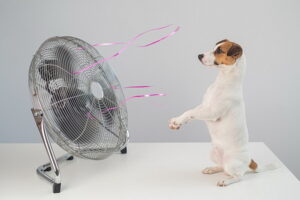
[{"x": 75, "y": 108}]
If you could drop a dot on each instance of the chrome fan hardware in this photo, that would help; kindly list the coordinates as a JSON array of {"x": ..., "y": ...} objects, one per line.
[{"x": 73, "y": 109}]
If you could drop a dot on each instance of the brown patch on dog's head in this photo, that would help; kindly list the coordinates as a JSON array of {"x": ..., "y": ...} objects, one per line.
[
  {"x": 227, "y": 52},
  {"x": 225, "y": 40}
]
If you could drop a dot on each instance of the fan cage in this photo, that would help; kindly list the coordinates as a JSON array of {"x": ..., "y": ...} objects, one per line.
[{"x": 75, "y": 119}]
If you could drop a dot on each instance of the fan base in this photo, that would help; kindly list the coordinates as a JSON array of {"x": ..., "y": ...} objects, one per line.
[
  {"x": 45, "y": 170},
  {"x": 56, "y": 187},
  {"x": 124, "y": 150}
]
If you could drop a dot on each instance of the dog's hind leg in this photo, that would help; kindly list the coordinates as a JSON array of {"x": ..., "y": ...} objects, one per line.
[
  {"x": 216, "y": 157},
  {"x": 235, "y": 169},
  {"x": 231, "y": 180}
]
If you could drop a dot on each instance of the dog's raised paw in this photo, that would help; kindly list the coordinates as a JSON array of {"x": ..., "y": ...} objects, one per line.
[{"x": 173, "y": 124}]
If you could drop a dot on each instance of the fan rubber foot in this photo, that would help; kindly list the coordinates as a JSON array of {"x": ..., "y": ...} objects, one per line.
[
  {"x": 124, "y": 150},
  {"x": 56, "y": 187},
  {"x": 70, "y": 158}
]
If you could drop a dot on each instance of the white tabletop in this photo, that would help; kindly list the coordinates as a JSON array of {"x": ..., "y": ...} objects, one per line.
[{"x": 148, "y": 171}]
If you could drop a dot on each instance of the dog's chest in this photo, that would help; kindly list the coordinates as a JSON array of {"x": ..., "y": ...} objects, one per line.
[{"x": 213, "y": 95}]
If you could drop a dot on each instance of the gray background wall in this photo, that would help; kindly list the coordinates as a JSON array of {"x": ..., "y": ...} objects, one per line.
[{"x": 268, "y": 31}]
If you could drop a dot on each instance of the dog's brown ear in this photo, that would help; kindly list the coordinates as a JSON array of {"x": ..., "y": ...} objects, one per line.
[
  {"x": 225, "y": 40},
  {"x": 235, "y": 51}
]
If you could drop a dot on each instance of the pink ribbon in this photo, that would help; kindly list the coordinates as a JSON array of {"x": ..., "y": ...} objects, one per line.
[
  {"x": 132, "y": 97},
  {"x": 104, "y": 44},
  {"x": 90, "y": 116},
  {"x": 138, "y": 86},
  {"x": 133, "y": 86},
  {"x": 127, "y": 44}
]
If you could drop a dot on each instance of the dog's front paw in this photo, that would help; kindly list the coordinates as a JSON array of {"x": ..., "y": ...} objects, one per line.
[{"x": 174, "y": 124}]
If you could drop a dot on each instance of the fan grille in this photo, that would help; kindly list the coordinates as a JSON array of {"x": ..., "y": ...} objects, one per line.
[{"x": 76, "y": 119}]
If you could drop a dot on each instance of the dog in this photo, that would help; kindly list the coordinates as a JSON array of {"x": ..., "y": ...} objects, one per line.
[{"x": 223, "y": 111}]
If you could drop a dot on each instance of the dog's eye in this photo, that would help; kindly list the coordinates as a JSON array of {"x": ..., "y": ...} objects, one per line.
[{"x": 218, "y": 51}]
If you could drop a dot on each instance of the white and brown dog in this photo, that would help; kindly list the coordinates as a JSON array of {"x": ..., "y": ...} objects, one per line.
[{"x": 223, "y": 110}]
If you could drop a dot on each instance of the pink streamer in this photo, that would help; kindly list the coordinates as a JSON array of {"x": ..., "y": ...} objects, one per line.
[
  {"x": 127, "y": 44},
  {"x": 104, "y": 44},
  {"x": 138, "y": 86},
  {"x": 132, "y": 97},
  {"x": 90, "y": 116},
  {"x": 134, "y": 86}
]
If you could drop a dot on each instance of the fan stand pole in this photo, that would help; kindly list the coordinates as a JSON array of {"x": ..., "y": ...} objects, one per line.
[
  {"x": 124, "y": 149},
  {"x": 38, "y": 117}
]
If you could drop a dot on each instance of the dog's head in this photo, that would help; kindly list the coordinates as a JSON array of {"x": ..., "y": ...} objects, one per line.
[{"x": 225, "y": 54}]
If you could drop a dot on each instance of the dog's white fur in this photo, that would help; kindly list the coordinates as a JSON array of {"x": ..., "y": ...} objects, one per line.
[{"x": 223, "y": 111}]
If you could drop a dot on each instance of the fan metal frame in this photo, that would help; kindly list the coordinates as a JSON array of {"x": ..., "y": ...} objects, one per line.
[{"x": 44, "y": 169}]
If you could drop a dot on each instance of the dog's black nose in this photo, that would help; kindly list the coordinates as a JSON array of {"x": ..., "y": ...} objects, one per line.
[{"x": 200, "y": 56}]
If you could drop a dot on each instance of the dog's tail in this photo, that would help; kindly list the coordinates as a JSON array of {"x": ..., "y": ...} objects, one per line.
[{"x": 257, "y": 168}]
